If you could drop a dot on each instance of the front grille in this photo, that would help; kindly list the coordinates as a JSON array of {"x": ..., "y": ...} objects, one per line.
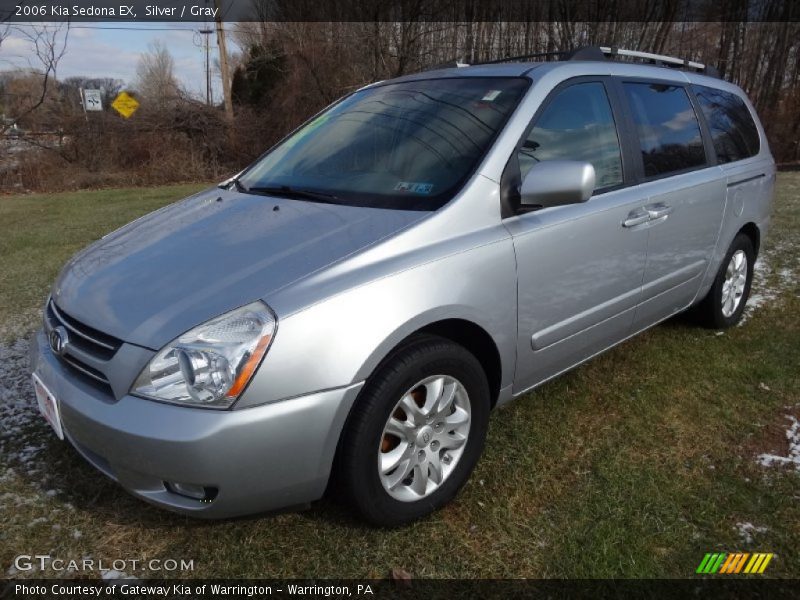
[
  {"x": 84, "y": 368},
  {"x": 94, "y": 344},
  {"x": 88, "y": 339}
]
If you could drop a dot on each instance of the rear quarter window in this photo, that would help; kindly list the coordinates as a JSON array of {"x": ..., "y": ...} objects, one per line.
[{"x": 733, "y": 130}]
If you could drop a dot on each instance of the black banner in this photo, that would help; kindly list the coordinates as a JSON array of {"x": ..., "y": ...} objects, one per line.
[
  {"x": 397, "y": 10},
  {"x": 431, "y": 589}
]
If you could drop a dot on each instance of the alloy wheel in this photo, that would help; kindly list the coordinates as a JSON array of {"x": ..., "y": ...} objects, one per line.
[
  {"x": 734, "y": 284},
  {"x": 424, "y": 438}
]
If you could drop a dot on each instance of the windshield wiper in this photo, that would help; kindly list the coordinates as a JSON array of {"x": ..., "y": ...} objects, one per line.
[
  {"x": 238, "y": 185},
  {"x": 232, "y": 183},
  {"x": 290, "y": 192}
]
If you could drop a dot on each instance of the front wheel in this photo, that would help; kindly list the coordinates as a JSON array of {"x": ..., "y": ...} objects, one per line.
[
  {"x": 725, "y": 302},
  {"x": 416, "y": 432}
]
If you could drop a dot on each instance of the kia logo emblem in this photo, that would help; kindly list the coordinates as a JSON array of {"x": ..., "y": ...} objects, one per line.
[{"x": 58, "y": 340}]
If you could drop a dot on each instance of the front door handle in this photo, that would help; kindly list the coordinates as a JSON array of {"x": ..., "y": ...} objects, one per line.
[
  {"x": 657, "y": 211},
  {"x": 636, "y": 217}
]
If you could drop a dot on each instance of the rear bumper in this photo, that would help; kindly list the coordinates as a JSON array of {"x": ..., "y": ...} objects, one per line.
[{"x": 257, "y": 459}]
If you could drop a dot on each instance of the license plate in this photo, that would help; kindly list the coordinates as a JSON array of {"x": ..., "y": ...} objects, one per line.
[{"x": 48, "y": 406}]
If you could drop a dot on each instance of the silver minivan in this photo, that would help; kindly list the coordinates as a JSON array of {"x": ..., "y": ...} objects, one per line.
[{"x": 353, "y": 305}]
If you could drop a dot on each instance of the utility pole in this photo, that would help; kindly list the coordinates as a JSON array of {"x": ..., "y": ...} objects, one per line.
[
  {"x": 223, "y": 63},
  {"x": 206, "y": 33}
]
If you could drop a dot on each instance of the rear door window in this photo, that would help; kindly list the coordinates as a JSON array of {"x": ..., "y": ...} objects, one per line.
[
  {"x": 733, "y": 130},
  {"x": 667, "y": 128}
]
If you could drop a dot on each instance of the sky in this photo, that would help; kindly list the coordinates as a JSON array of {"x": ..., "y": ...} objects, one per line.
[{"x": 97, "y": 50}]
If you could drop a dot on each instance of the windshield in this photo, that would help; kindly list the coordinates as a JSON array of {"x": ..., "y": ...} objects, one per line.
[{"x": 404, "y": 145}]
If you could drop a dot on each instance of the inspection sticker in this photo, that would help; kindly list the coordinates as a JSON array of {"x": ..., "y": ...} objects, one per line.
[{"x": 413, "y": 187}]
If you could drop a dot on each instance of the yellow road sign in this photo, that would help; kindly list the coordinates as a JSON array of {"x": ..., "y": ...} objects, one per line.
[{"x": 125, "y": 104}]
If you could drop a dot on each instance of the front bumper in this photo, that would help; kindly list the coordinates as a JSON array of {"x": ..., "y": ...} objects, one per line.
[{"x": 256, "y": 459}]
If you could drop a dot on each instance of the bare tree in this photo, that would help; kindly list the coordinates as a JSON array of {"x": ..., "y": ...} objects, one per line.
[
  {"x": 5, "y": 17},
  {"x": 155, "y": 75},
  {"x": 49, "y": 46},
  {"x": 4, "y": 30}
]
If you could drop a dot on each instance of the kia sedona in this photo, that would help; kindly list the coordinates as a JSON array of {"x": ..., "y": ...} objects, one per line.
[{"x": 353, "y": 305}]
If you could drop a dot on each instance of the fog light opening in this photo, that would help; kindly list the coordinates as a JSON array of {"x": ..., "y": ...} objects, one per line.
[{"x": 191, "y": 490}]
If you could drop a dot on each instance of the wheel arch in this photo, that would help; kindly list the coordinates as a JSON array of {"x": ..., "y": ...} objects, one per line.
[
  {"x": 462, "y": 329},
  {"x": 752, "y": 231},
  {"x": 477, "y": 341}
]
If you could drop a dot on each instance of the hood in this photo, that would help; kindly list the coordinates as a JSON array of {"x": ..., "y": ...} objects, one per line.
[{"x": 173, "y": 269}]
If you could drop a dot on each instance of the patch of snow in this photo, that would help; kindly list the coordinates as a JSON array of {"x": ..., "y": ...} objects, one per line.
[
  {"x": 7, "y": 476},
  {"x": 788, "y": 278},
  {"x": 768, "y": 283},
  {"x": 24, "y": 433},
  {"x": 761, "y": 292},
  {"x": 18, "y": 408},
  {"x": 746, "y": 531},
  {"x": 793, "y": 458},
  {"x": 21, "y": 326},
  {"x": 19, "y": 500}
]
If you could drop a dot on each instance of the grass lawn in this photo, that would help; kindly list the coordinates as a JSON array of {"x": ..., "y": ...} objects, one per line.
[
  {"x": 41, "y": 232},
  {"x": 633, "y": 465}
]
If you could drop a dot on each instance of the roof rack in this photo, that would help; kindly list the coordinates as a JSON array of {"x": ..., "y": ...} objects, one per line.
[
  {"x": 525, "y": 56},
  {"x": 658, "y": 59},
  {"x": 459, "y": 62},
  {"x": 598, "y": 53},
  {"x": 450, "y": 64}
]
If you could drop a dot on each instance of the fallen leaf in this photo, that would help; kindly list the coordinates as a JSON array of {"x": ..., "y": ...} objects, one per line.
[{"x": 401, "y": 577}]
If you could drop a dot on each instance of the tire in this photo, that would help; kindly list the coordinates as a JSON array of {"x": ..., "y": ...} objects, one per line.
[
  {"x": 415, "y": 372},
  {"x": 711, "y": 312}
]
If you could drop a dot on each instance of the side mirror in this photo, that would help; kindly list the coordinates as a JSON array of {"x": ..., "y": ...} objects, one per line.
[{"x": 556, "y": 183}]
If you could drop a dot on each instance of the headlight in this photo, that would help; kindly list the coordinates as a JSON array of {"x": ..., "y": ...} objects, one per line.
[{"x": 210, "y": 365}]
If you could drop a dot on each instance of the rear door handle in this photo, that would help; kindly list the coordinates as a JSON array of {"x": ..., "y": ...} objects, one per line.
[
  {"x": 636, "y": 217},
  {"x": 657, "y": 211}
]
